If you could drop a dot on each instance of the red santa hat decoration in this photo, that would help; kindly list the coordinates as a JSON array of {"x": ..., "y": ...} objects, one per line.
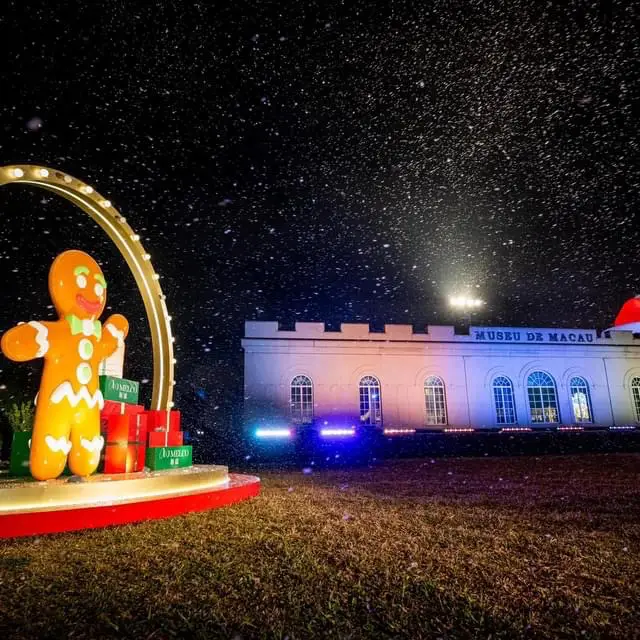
[{"x": 629, "y": 317}]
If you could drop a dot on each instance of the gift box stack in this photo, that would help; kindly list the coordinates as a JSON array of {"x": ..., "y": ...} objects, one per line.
[
  {"x": 135, "y": 437},
  {"x": 166, "y": 447},
  {"x": 123, "y": 423}
]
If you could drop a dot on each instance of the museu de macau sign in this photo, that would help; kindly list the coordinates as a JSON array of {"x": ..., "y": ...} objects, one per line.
[{"x": 526, "y": 335}]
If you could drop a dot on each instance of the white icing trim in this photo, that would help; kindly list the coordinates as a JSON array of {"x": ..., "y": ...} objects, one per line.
[
  {"x": 41, "y": 337},
  {"x": 65, "y": 390},
  {"x": 115, "y": 332},
  {"x": 95, "y": 444},
  {"x": 58, "y": 444}
]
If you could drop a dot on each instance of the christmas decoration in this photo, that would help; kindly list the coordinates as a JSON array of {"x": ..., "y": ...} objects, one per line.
[
  {"x": 119, "y": 389},
  {"x": 67, "y": 418},
  {"x": 125, "y": 437},
  {"x": 159, "y": 458}
]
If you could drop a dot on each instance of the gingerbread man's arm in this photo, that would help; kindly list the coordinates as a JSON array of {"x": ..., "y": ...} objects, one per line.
[
  {"x": 114, "y": 331},
  {"x": 27, "y": 341}
]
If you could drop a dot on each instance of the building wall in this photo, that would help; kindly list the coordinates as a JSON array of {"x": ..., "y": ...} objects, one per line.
[{"x": 401, "y": 360}]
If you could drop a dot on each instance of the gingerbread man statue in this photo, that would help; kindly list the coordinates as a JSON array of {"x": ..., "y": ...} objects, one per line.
[{"x": 67, "y": 418}]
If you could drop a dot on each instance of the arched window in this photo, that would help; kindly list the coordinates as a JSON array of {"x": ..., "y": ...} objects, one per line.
[
  {"x": 580, "y": 399},
  {"x": 301, "y": 400},
  {"x": 503, "y": 400},
  {"x": 370, "y": 403},
  {"x": 543, "y": 400},
  {"x": 635, "y": 396},
  {"x": 435, "y": 400}
]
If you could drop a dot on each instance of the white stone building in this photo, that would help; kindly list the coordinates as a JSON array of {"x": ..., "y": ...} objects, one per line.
[{"x": 489, "y": 378}]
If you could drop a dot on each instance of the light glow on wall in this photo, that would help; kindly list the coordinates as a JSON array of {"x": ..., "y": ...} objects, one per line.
[
  {"x": 273, "y": 433},
  {"x": 398, "y": 432},
  {"x": 329, "y": 432}
]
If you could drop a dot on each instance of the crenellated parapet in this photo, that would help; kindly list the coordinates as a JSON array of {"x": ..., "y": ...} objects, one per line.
[{"x": 273, "y": 330}]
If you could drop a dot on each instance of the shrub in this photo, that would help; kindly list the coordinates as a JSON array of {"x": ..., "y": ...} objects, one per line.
[{"x": 20, "y": 416}]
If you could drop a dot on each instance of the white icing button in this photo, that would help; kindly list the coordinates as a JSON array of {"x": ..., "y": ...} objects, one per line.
[
  {"x": 87, "y": 327},
  {"x": 85, "y": 348},
  {"x": 83, "y": 373}
]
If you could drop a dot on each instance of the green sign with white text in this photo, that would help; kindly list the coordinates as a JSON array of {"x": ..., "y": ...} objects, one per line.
[
  {"x": 159, "y": 458},
  {"x": 119, "y": 389}
]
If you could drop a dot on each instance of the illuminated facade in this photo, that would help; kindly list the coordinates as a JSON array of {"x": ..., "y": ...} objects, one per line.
[{"x": 487, "y": 378}]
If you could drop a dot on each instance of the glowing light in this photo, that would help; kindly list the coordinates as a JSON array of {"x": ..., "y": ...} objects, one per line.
[
  {"x": 622, "y": 427},
  {"x": 43, "y": 173},
  {"x": 514, "y": 429},
  {"x": 329, "y": 432},
  {"x": 135, "y": 237},
  {"x": 398, "y": 432},
  {"x": 273, "y": 433},
  {"x": 16, "y": 173},
  {"x": 105, "y": 203},
  {"x": 146, "y": 256},
  {"x": 155, "y": 276},
  {"x": 85, "y": 188},
  {"x": 459, "y": 430},
  {"x": 570, "y": 427},
  {"x": 68, "y": 179},
  {"x": 464, "y": 302}
]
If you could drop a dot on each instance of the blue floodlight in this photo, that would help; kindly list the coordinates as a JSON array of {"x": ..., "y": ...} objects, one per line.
[
  {"x": 273, "y": 432},
  {"x": 339, "y": 432}
]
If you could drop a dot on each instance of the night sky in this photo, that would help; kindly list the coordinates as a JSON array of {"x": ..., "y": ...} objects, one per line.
[{"x": 336, "y": 161}]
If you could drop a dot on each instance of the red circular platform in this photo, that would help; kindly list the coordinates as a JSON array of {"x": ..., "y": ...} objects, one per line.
[{"x": 29, "y": 508}]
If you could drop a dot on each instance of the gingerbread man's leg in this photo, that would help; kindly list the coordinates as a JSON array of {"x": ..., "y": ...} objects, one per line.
[
  {"x": 86, "y": 442},
  {"x": 50, "y": 441}
]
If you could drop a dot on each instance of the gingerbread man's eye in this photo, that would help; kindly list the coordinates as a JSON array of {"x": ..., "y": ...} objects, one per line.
[
  {"x": 81, "y": 281},
  {"x": 99, "y": 289}
]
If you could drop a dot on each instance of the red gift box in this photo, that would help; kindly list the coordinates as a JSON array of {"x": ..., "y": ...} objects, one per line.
[
  {"x": 159, "y": 419},
  {"x": 119, "y": 408},
  {"x": 124, "y": 428},
  {"x": 165, "y": 439},
  {"x": 124, "y": 457},
  {"x": 125, "y": 437}
]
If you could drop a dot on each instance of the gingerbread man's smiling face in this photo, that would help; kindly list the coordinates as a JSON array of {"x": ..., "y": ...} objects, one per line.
[{"x": 77, "y": 285}]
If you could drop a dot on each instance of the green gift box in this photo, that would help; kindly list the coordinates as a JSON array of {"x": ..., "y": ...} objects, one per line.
[
  {"x": 159, "y": 458},
  {"x": 19, "y": 461},
  {"x": 119, "y": 389}
]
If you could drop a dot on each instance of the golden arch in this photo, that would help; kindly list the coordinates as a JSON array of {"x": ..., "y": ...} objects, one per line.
[{"x": 128, "y": 243}]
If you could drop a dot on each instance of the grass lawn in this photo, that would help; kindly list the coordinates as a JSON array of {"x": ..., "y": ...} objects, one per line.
[{"x": 447, "y": 548}]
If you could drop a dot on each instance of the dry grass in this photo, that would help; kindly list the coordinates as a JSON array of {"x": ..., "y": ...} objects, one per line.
[{"x": 452, "y": 548}]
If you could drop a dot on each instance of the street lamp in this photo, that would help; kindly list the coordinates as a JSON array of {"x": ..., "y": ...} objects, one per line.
[{"x": 467, "y": 305}]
